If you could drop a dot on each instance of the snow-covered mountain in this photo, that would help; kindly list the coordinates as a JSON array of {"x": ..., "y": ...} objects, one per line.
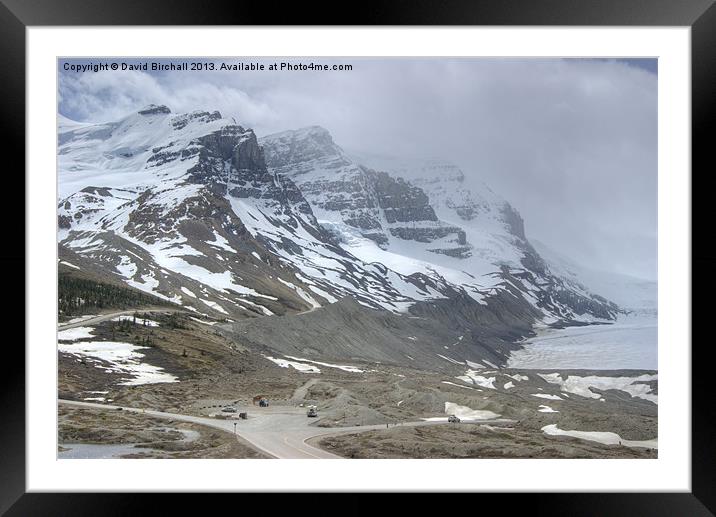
[
  {"x": 431, "y": 225},
  {"x": 630, "y": 293},
  {"x": 196, "y": 210},
  {"x": 183, "y": 207}
]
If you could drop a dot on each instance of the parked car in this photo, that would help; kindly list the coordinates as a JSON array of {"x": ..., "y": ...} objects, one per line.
[
  {"x": 453, "y": 419},
  {"x": 228, "y": 409}
]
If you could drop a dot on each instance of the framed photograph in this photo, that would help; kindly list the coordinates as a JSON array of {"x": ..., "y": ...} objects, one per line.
[{"x": 447, "y": 249}]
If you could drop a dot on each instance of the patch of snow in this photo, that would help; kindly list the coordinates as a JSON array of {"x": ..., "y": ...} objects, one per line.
[
  {"x": 220, "y": 281},
  {"x": 126, "y": 267},
  {"x": 221, "y": 242},
  {"x": 301, "y": 367},
  {"x": 323, "y": 294},
  {"x": 214, "y": 305},
  {"x": 460, "y": 385},
  {"x": 202, "y": 321},
  {"x": 351, "y": 369},
  {"x": 605, "y": 437},
  {"x": 124, "y": 358},
  {"x": 454, "y": 361},
  {"x": 75, "y": 334},
  {"x": 472, "y": 377},
  {"x": 187, "y": 292},
  {"x": 263, "y": 309},
  {"x": 546, "y": 409},
  {"x": 547, "y": 396},
  {"x": 508, "y": 385},
  {"x": 300, "y": 292}
]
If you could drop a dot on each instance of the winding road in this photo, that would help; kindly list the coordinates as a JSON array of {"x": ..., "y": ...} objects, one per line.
[{"x": 278, "y": 432}]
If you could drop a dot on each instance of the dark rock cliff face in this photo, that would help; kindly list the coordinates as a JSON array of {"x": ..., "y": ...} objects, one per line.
[
  {"x": 247, "y": 155},
  {"x": 514, "y": 221},
  {"x": 292, "y": 148},
  {"x": 231, "y": 160},
  {"x": 400, "y": 201},
  {"x": 232, "y": 157},
  {"x": 64, "y": 222}
]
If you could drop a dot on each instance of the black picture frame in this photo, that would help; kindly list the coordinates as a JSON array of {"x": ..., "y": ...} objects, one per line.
[{"x": 699, "y": 15}]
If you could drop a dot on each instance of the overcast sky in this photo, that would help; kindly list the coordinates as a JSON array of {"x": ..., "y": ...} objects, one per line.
[{"x": 572, "y": 144}]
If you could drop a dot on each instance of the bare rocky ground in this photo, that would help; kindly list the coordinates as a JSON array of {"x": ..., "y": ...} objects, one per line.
[
  {"x": 215, "y": 370},
  {"x": 470, "y": 441},
  {"x": 152, "y": 437}
]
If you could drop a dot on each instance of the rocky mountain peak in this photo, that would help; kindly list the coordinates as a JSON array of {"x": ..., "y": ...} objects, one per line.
[
  {"x": 299, "y": 146},
  {"x": 154, "y": 109},
  {"x": 179, "y": 122}
]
